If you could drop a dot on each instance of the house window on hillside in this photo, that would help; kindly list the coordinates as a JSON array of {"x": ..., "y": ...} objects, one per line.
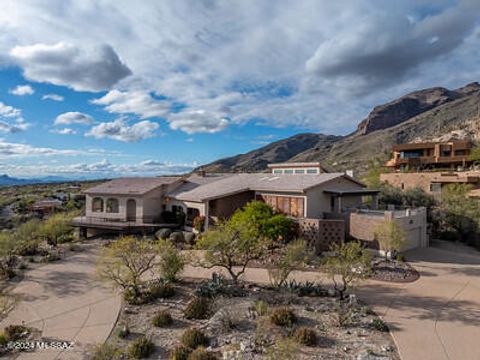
[
  {"x": 312, "y": 171},
  {"x": 278, "y": 171},
  {"x": 112, "y": 206},
  {"x": 288, "y": 171},
  {"x": 435, "y": 187},
  {"x": 97, "y": 205},
  {"x": 299, "y": 171}
]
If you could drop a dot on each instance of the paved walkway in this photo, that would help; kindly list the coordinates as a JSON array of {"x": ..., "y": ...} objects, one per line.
[
  {"x": 65, "y": 301},
  {"x": 435, "y": 318}
]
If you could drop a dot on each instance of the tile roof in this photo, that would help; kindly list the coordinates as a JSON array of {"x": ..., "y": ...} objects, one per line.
[
  {"x": 131, "y": 185},
  {"x": 235, "y": 183}
]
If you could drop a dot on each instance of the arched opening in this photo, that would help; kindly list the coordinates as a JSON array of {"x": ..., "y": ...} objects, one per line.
[
  {"x": 131, "y": 210},
  {"x": 112, "y": 206},
  {"x": 97, "y": 205}
]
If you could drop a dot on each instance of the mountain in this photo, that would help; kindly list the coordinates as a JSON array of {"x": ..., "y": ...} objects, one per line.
[
  {"x": 6, "y": 180},
  {"x": 424, "y": 115}
]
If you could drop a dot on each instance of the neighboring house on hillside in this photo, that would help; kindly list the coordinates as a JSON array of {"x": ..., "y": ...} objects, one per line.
[
  {"x": 431, "y": 155},
  {"x": 45, "y": 207},
  {"x": 431, "y": 182}
]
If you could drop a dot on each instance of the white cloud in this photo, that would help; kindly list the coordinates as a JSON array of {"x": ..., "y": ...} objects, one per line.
[
  {"x": 66, "y": 64},
  {"x": 120, "y": 130},
  {"x": 139, "y": 103},
  {"x": 8, "y": 150},
  {"x": 21, "y": 90},
  {"x": 64, "y": 131},
  {"x": 197, "y": 121},
  {"x": 284, "y": 63},
  {"x": 54, "y": 97},
  {"x": 11, "y": 120},
  {"x": 102, "y": 168},
  {"x": 73, "y": 117}
]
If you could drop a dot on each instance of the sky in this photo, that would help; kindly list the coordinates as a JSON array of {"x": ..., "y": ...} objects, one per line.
[{"x": 103, "y": 88}]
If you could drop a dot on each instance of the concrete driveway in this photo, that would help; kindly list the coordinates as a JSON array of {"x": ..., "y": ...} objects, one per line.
[
  {"x": 438, "y": 316},
  {"x": 65, "y": 302}
]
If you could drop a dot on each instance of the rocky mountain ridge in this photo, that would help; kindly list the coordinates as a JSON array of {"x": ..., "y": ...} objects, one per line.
[{"x": 425, "y": 115}]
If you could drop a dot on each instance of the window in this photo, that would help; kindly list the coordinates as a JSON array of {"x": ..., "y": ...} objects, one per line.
[
  {"x": 177, "y": 209},
  {"x": 278, "y": 171},
  {"x": 402, "y": 186},
  {"x": 112, "y": 206},
  {"x": 299, "y": 171},
  {"x": 312, "y": 171},
  {"x": 288, "y": 171},
  {"x": 97, "y": 205}
]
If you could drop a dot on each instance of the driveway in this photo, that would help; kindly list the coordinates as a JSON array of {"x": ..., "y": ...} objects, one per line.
[
  {"x": 438, "y": 316},
  {"x": 434, "y": 318},
  {"x": 65, "y": 302}
]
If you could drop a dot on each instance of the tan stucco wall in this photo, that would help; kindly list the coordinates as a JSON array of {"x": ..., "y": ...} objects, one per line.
[
  {"x": 318, "y": 202},
  {"x": 409, "y": 180},
  {"x": 362, "y": 226}
]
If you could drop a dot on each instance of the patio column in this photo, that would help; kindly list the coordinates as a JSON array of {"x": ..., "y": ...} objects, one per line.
[
  {"x": 339, "y": 204},
  {"x": 206, "y": 215}
]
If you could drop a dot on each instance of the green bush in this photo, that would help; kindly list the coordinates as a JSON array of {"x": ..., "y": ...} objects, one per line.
[
  {"x": 305, "y": 336},
  {"x": 141, "y": 348},
  {"x": 401, "y": 258},
  {"x": 180, "y": 353},
  {"x": 199, "y": 223},
  {"x": 177, "y": 237},
  {"x": 3, "y": 339},
  {"x": 163, "y": 234},
  {"x": 218, "y": 285},
  {"x": 201, "y": 354},
  {"x": 379, "y": 325},
  {"x": 123, "y": 332},
  {"x": 283, "y": 317},
  {"x": 160, "y": 291},
  {"x": 193, "y": 338},
  {"x": 15, "y": 332},
  {"x": 131, "y": 297},
  {"x": 198, "y": 308},
  {"x": 171, "y": 262},
  {"x": 261, "y": 307},
  {"x": 162, "y": 319},
  {"x": 106, "y": 352}
]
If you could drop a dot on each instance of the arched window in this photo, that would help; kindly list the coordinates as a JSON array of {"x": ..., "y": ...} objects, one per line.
[
  {"x": 112, "y": 206},
  {"x": 97, "y": 205}
]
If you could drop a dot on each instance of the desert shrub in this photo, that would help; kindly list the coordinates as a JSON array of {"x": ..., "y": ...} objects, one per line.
[
  {"x": 193, "y": 338},
  {"x": 171, "y": 262},
  {"x": 141, "y": 348},
  {"x": 218, "y": 285},
  {"x": 123, "y": 332},
  {"x": 57, "y": 229},
  {"x": 177, "y": 237},
  {"x": 163, "y": 234},
  {"x": 52, "y": 256},
  {"x": 306, "y": 288},
  {"x": 401, "y": 258},
  {"x": 159, "y": 290},
  {"x": 15, "y": 332},
  {"x": 294, "y": 255},
  {"x": 190, "y": 238},
  {"x": 305, "y": 336},
  {"x": 3, "y": 339},
  {"x": 180, "y": 352},
  {"x": 201, "y": 354},
  {"x": 131, "y": 297},
  {"x": 345, "y": 316},
  {"x": 261, "y": 307},
  {"x": 379, "y": 325},
  {"x": 198, "y": 308},
  {"x": 106, "y": 352},
  {"x": 162, "y": 319},
  {"x": 283, "y": 317}
]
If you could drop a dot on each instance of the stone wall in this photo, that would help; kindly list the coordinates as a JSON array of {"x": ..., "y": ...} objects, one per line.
[{"x": 320, "y": 234}]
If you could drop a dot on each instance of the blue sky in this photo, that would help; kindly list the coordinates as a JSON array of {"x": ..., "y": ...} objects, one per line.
[{"x": 100, "y": 88}]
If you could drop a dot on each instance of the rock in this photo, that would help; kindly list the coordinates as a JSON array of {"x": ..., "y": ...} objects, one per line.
[{"x": 387, "y": 348}]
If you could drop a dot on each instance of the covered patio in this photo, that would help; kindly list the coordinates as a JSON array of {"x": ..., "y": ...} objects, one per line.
[{"x": 342, "y": 200}]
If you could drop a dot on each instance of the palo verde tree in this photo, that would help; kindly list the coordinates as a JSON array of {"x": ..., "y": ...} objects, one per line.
[
  {"x": 294, "y": 254},
  {"x": 125, "y": 262},
  {"x": 350, "y": 263},
  {"x": 231, "y": 245},
  {"x": 390, "y": 236}
]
